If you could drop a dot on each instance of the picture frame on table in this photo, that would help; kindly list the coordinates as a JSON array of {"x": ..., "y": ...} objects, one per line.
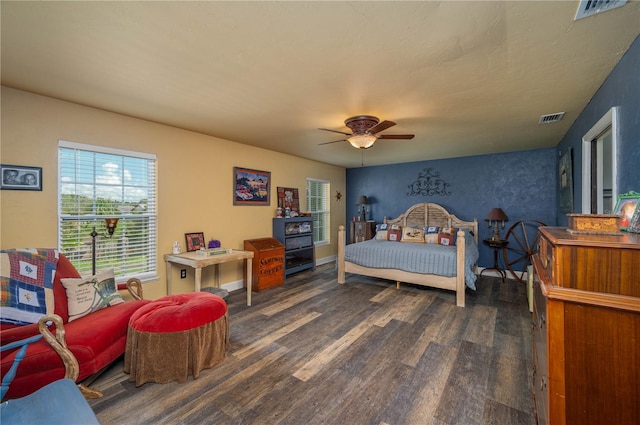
[
  {"x": 634, "y": 224},
  {"x": 251, "y": 187},
  {"x": 20, "y": 177},
  {"x": 194, "y": 241},
  {"x": 626, "y": 207}
]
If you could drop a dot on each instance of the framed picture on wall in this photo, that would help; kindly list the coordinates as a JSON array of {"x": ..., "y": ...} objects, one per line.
[
  {"x": 626, "y": 207},
  {"x": 251, "y": 187},
  {"x": 288, "y": 198},
  {"x": 565, "y": 177},
  {"x": 19, "y": 177}
]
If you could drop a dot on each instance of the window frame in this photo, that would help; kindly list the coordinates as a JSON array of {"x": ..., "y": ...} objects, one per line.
[
  {"x": 326, "y": 237},
  {"x": 139, "y": 224}
]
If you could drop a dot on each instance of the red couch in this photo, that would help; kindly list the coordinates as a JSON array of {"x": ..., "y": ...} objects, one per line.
[{"x": 96, "y": 340}]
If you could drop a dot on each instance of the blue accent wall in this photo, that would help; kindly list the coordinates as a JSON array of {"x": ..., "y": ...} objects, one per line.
[
  {"x": 622, "y": 89},
  {"x": 522, "y": 183}
]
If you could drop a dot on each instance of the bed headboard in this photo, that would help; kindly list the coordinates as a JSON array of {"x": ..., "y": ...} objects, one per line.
[{"x": 429, "y": 214}]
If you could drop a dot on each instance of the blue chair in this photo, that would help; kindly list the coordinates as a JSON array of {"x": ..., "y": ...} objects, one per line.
[{"x": 59, "y": 402}]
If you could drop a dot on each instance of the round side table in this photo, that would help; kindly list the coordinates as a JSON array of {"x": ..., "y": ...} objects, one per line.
[{"x": 496, "y": 245}]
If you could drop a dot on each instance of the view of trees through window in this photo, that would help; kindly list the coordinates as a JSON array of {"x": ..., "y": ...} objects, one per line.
[{"x": 95, "y": 185}]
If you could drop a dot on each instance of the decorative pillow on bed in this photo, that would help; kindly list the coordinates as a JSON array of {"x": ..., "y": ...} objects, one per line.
[
  {"x": 412, "y": 234},
  {"x": 431, "y": 234},
  {"x": 440, "y": 235},
  {"x": 447, "y": 236},
  {"x": 381, "y": 231},
  {"x": 93, "y": 293},
  {"x": 394, "y": 233}
]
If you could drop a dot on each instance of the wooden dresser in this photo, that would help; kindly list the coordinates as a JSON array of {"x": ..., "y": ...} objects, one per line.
[{"x": 586, "y": 328}]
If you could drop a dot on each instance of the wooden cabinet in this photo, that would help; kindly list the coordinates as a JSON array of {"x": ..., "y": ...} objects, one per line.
[
  {"x": 296, "y": 234},
  {"x": 586, "y": 328},
  {"x": 361, "y": 231},
  {"x": 267, "y": 267}
]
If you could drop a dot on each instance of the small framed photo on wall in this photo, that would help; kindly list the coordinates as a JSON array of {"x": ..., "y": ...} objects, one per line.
[{"x": 20, "y": 177}]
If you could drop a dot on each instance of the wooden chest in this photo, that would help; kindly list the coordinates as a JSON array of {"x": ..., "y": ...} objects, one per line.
[
  {"x": 586, "y": 333},
  {"x": 268, "y": 263}
]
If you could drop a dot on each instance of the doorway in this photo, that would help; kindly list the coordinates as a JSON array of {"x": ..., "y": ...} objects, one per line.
[{"x": 599, "y": 169}]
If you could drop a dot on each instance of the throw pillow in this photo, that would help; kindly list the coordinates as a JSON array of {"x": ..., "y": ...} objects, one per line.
[
  {"x": 381, "y": 231},
  {"x": 412, "y": 234},
  {"x": 394, "y": 233},
  {"x": 431, "y": 234},
  {"x": 93, "y": 293},
  {"x": 447, "y": 236},
  {"x": 26, "y": 284}
]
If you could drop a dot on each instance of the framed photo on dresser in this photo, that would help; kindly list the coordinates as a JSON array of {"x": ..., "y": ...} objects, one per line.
[
  {"x": 626, "y": 207},
  {"x": 634, "y": 224}
]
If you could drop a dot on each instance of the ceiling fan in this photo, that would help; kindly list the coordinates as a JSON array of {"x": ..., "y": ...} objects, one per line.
[{"x": 365, "y": 129}]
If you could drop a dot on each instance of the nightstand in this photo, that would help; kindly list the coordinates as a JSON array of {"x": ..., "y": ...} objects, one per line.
[
  {"x": 361, "y": 231},
  {"x": 496, "y": 244}
]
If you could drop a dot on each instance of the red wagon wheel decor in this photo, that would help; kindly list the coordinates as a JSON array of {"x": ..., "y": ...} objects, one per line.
[{"x": 523, "y": 240}]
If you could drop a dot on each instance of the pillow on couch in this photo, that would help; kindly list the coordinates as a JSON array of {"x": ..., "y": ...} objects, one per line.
[
  {"x": 441, "y": 235},
  {"x": 381, "y": 232},
  {"x": 431, "y": 234},
  {"x": 394, "y": 233},
  {"x": 447, "y": 236},
  {"x": 26, "y": 281},
  {"x": 93, "y": 293},
  {"x": 412, "y": 234}
]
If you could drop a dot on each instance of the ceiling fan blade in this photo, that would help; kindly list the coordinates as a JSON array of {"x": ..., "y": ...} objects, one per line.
[
  {"x": 396, "y": 136},
  {"x": 335, "y": 131},
  {"x": 328, "y": 143},
  {"x": 380, "y": 127}
]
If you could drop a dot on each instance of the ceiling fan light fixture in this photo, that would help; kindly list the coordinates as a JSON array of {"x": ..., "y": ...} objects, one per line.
[{"x": 362, "y": 141}]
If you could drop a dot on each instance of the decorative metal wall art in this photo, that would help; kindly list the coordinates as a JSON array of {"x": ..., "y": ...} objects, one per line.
[
  {"x": 565, "y": 177},
  {"x": 429, "y": 183}
]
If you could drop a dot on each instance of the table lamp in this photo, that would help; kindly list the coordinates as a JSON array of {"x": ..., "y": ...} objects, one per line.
[{"x": 496, "y": 215}]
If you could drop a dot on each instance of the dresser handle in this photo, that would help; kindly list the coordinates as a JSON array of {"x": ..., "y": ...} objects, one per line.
[{"x": 543, "y": 383}]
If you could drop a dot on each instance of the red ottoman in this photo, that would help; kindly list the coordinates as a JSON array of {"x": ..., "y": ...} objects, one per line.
[{"x": 176, "y": 336}]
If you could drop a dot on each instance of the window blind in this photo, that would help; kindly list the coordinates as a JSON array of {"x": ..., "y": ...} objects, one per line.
[
  {"x": 95, "y": 183},
  {"x": 318, "y": 206}
]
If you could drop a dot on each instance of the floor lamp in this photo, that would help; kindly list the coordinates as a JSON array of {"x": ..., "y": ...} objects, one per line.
[{"x": 111, "y": 227}]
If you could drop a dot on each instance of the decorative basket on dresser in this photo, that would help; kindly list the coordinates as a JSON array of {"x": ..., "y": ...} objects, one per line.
[{"x": 586, "y": 328}]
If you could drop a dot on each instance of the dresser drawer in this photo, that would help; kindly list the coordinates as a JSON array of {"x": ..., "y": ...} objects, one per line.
[
  {"x": 540, "y": 393},
  {"x": 299, "y": 242}
]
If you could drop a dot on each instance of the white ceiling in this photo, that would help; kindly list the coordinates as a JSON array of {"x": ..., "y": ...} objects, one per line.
[{"x": 466, "y": 77}]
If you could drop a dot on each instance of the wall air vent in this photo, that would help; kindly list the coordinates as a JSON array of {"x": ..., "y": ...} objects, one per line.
[
  {"x": 591, "y": 7},
  {"x": 549, "y": 118}
]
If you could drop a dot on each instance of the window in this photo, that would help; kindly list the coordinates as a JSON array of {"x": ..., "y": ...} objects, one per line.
[
  {"x": 318, "y": 206},
  {"x": 95, "y": 183}
]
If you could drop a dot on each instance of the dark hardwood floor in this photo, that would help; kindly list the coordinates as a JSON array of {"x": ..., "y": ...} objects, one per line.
[{"x": 316, "y": 352}]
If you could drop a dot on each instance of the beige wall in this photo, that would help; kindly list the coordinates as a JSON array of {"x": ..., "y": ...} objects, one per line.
[{"x": 195, "y": 184}]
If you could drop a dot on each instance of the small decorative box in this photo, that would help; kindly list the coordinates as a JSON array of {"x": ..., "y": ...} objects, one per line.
[{"x": 594, "y": 224}]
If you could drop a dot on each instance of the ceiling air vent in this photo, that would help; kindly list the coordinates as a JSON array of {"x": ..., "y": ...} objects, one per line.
[
  {"x": 591, "y": 7},
  {"x": 548, "y": 119}
]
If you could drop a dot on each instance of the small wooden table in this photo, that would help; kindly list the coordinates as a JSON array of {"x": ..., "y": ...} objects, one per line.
[
  {"x": 198, "y": 262},
  {"x": 496, "y": 245}
]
